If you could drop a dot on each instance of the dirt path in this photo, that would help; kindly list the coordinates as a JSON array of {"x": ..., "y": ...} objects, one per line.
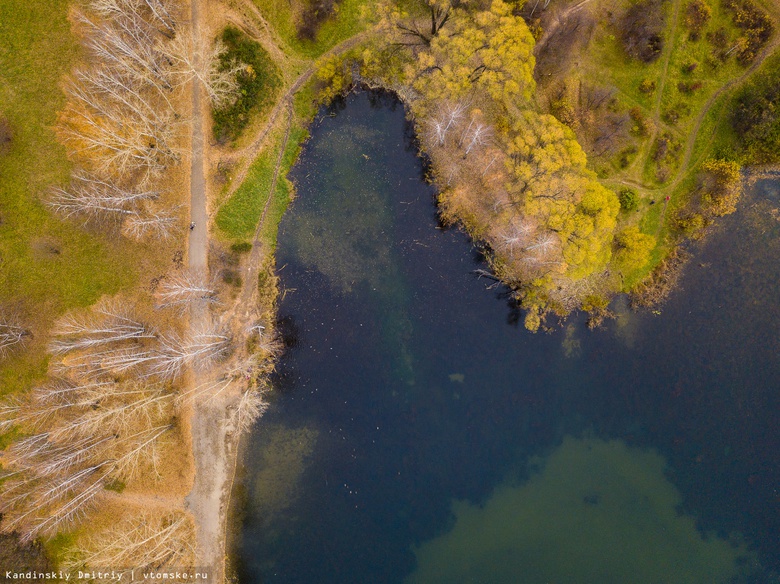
[
  {"x": 212, "y": 447},
  {"x": 198, "y": 241},
  {"x": 691, "y": 142}
]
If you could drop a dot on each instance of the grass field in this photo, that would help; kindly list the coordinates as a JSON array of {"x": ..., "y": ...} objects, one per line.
[
  {"x": 687, "y": 75},
  {"x": 46, "y": 265},
  {"x": 238, "y": 217},
  {"x": 350, "y": 18}
]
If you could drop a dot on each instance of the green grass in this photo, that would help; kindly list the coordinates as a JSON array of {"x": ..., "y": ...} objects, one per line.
[
  {"x": 46, "y": 265},
  {"x": 347, "y": 21},
  {"x": 238, "y": 217},
  {"x": 284, "y": 190},
  {"x": 258, "y": 85}
]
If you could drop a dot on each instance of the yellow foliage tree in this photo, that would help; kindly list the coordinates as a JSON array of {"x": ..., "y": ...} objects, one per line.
[
  {"x": 491, "y": 50},
  {"x": 721, "y": 185},
  {"x": 632, "y": 249}
]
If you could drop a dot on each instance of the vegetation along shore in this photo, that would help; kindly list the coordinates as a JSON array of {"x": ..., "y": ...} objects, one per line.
[{"x": 144, "y": 148}]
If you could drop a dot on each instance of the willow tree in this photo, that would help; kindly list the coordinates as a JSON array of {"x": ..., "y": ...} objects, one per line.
[{"x": 491, "y": 50}]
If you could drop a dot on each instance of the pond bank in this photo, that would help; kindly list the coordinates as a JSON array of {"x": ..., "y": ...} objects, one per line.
[{"x": 401, "y": 366}]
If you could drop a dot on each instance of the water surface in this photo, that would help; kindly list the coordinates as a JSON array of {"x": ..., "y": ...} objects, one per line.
[{"x": 420, "y": 434}]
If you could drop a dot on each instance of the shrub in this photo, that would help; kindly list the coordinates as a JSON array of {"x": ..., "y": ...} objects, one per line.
[
  {"x": 691, "y": 224},
  {"x": 629, "y": 200},
  {"x": 314, "y": 15},
  {"x": 697, "y": 15},
  {"x": 640, "y": 30},
  {"x": 721, "y": 186},
  {"x": 756, "y": 24},
  {"x": 257, "y": 84},
  {"x": 641, "y": 123},
  {"x": 689, "y": 86},
  {"x": 756, "y": 117},
  {"x": 6, "y": 135},
  {"x": 632, "y": 248},
  {"x": 647, "y": 86},
  {"x": 242, "y": 247}
]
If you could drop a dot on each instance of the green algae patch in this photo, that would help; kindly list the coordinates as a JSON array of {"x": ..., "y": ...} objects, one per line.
[
  {"x": 282, "y": 465},
  {"x": 596, "y": 512}
]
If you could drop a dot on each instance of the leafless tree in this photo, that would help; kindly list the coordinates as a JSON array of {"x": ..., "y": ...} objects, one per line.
[
  {"x": 150, "y": 222},
  {"x": 193, "y": 60},
  {"x": 250, "y": 407},
  {"x": 116, "y": 142},
  {"x": 126, "y": 46},
  {"x": 180, "y": 291},
  {"x": 515, "y": 237},
  {"x": 94, "y": 197},
  {"x": 150, "y": 539},
  {"x": 201, "y": 350},
  {"x": 478, "y": 137},
  {"x": 12, "y": 335},
  {"x": 109, "y": 322},
  {"x": 157, "y": 13}
]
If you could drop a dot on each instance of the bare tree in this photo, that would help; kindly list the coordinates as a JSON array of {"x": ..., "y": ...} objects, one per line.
[
  {"x": 148, "y": 540},
  {"x": 12, "y": 335},
  {"x": 126, "y": 46},
  {"x": 109, "y": 322},
  {"x": 179, "y": 291},
  {"x": 116, "y": 142},
  {"x": 515, "y": 237},
  {"x": 194, "y": 60},
  {"x": 94, "y": 197},
  {"x": 250, "y": 407},
  {"x": 156, "y": 13},
  {"x": 150, "y": 222}
]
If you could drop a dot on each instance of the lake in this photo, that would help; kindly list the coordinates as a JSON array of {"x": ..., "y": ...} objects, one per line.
[{"x": 418, "y": 433}]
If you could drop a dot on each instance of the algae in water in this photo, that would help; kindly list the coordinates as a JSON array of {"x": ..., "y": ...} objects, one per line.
[{"x": 597, "y": 512}]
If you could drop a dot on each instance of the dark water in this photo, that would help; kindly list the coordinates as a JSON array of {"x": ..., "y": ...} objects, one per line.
[{"x": 419, "y": 433}]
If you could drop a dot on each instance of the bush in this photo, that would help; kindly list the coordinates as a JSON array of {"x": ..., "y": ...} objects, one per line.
[
  {"x": 691, "y": 224},
  {"x": 629, "y": 200},
  {"x": 689, "y": 86},
  {"x": 257, "y": 85},
  {"x": 242, "y": 247},
  {"x": 314, "y": 15},
  {"x": 6, "y": 135},
  {"x": 640, "y": 30},
  {"x": 721, "y": 186},
  {"x": 632, "y": 249},
  {"x": 756, "y": 24},
  {"x": 756, "y": 117},
  {"x": 647, "y": 86},
  {"x": 697, "y": 15},
  {"x": 641, "y": 123}
]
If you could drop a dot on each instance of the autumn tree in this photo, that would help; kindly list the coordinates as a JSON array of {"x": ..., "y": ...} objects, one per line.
[
  {"x": 720, "y": 185},
  {"x": 632, "y": 249},
  {"x": 489, "y": 50}
]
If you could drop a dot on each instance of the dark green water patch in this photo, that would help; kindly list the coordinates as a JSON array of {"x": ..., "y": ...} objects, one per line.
[{"x": 411, "y": 404}]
